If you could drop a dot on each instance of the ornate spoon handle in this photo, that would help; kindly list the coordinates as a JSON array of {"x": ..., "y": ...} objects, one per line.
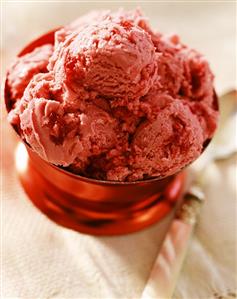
[{"x": 165, "y": 272}]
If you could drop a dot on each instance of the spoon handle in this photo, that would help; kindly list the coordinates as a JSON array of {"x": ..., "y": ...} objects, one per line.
[{"x": 165, "y": 272}]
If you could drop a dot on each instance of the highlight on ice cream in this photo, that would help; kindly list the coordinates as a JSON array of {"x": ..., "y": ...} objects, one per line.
[{"x": 113, "y": 99}]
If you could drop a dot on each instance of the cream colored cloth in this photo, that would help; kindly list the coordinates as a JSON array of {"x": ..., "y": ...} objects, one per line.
[{"x": 43, "y": 260}]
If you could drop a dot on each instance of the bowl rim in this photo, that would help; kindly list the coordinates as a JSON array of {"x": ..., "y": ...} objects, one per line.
[{"x": 75, "y": 176}]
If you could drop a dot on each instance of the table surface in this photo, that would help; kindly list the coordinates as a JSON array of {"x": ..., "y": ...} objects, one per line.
[{"x": 43, "y": 260}]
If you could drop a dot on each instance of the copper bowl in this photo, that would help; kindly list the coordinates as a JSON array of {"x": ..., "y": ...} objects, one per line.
[
  {"x": 87, "y": 205},
  {"x": 93, "y": 206}
]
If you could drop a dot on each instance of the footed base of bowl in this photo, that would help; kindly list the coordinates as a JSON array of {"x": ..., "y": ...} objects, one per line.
[{"x": 96, "y": 217}]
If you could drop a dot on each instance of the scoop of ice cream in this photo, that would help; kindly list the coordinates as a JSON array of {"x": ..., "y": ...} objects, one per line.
[
  {"x": 185, "y": 74},
  {"x": 25, "y": 67},
  {"x": 173, "y": 139},
  {"x": 117, "y": 102},
  {"x": 133, "y": 17},
  {"x": 57, "y": 134},
  {"x": 113, "y": 58}
]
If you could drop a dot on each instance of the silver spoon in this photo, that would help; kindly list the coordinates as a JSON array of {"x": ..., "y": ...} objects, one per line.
[{"x": 164, "y": 275}]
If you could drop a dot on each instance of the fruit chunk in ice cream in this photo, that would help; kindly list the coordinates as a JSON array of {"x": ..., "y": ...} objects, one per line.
[{"x": 116, "y": 102}]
